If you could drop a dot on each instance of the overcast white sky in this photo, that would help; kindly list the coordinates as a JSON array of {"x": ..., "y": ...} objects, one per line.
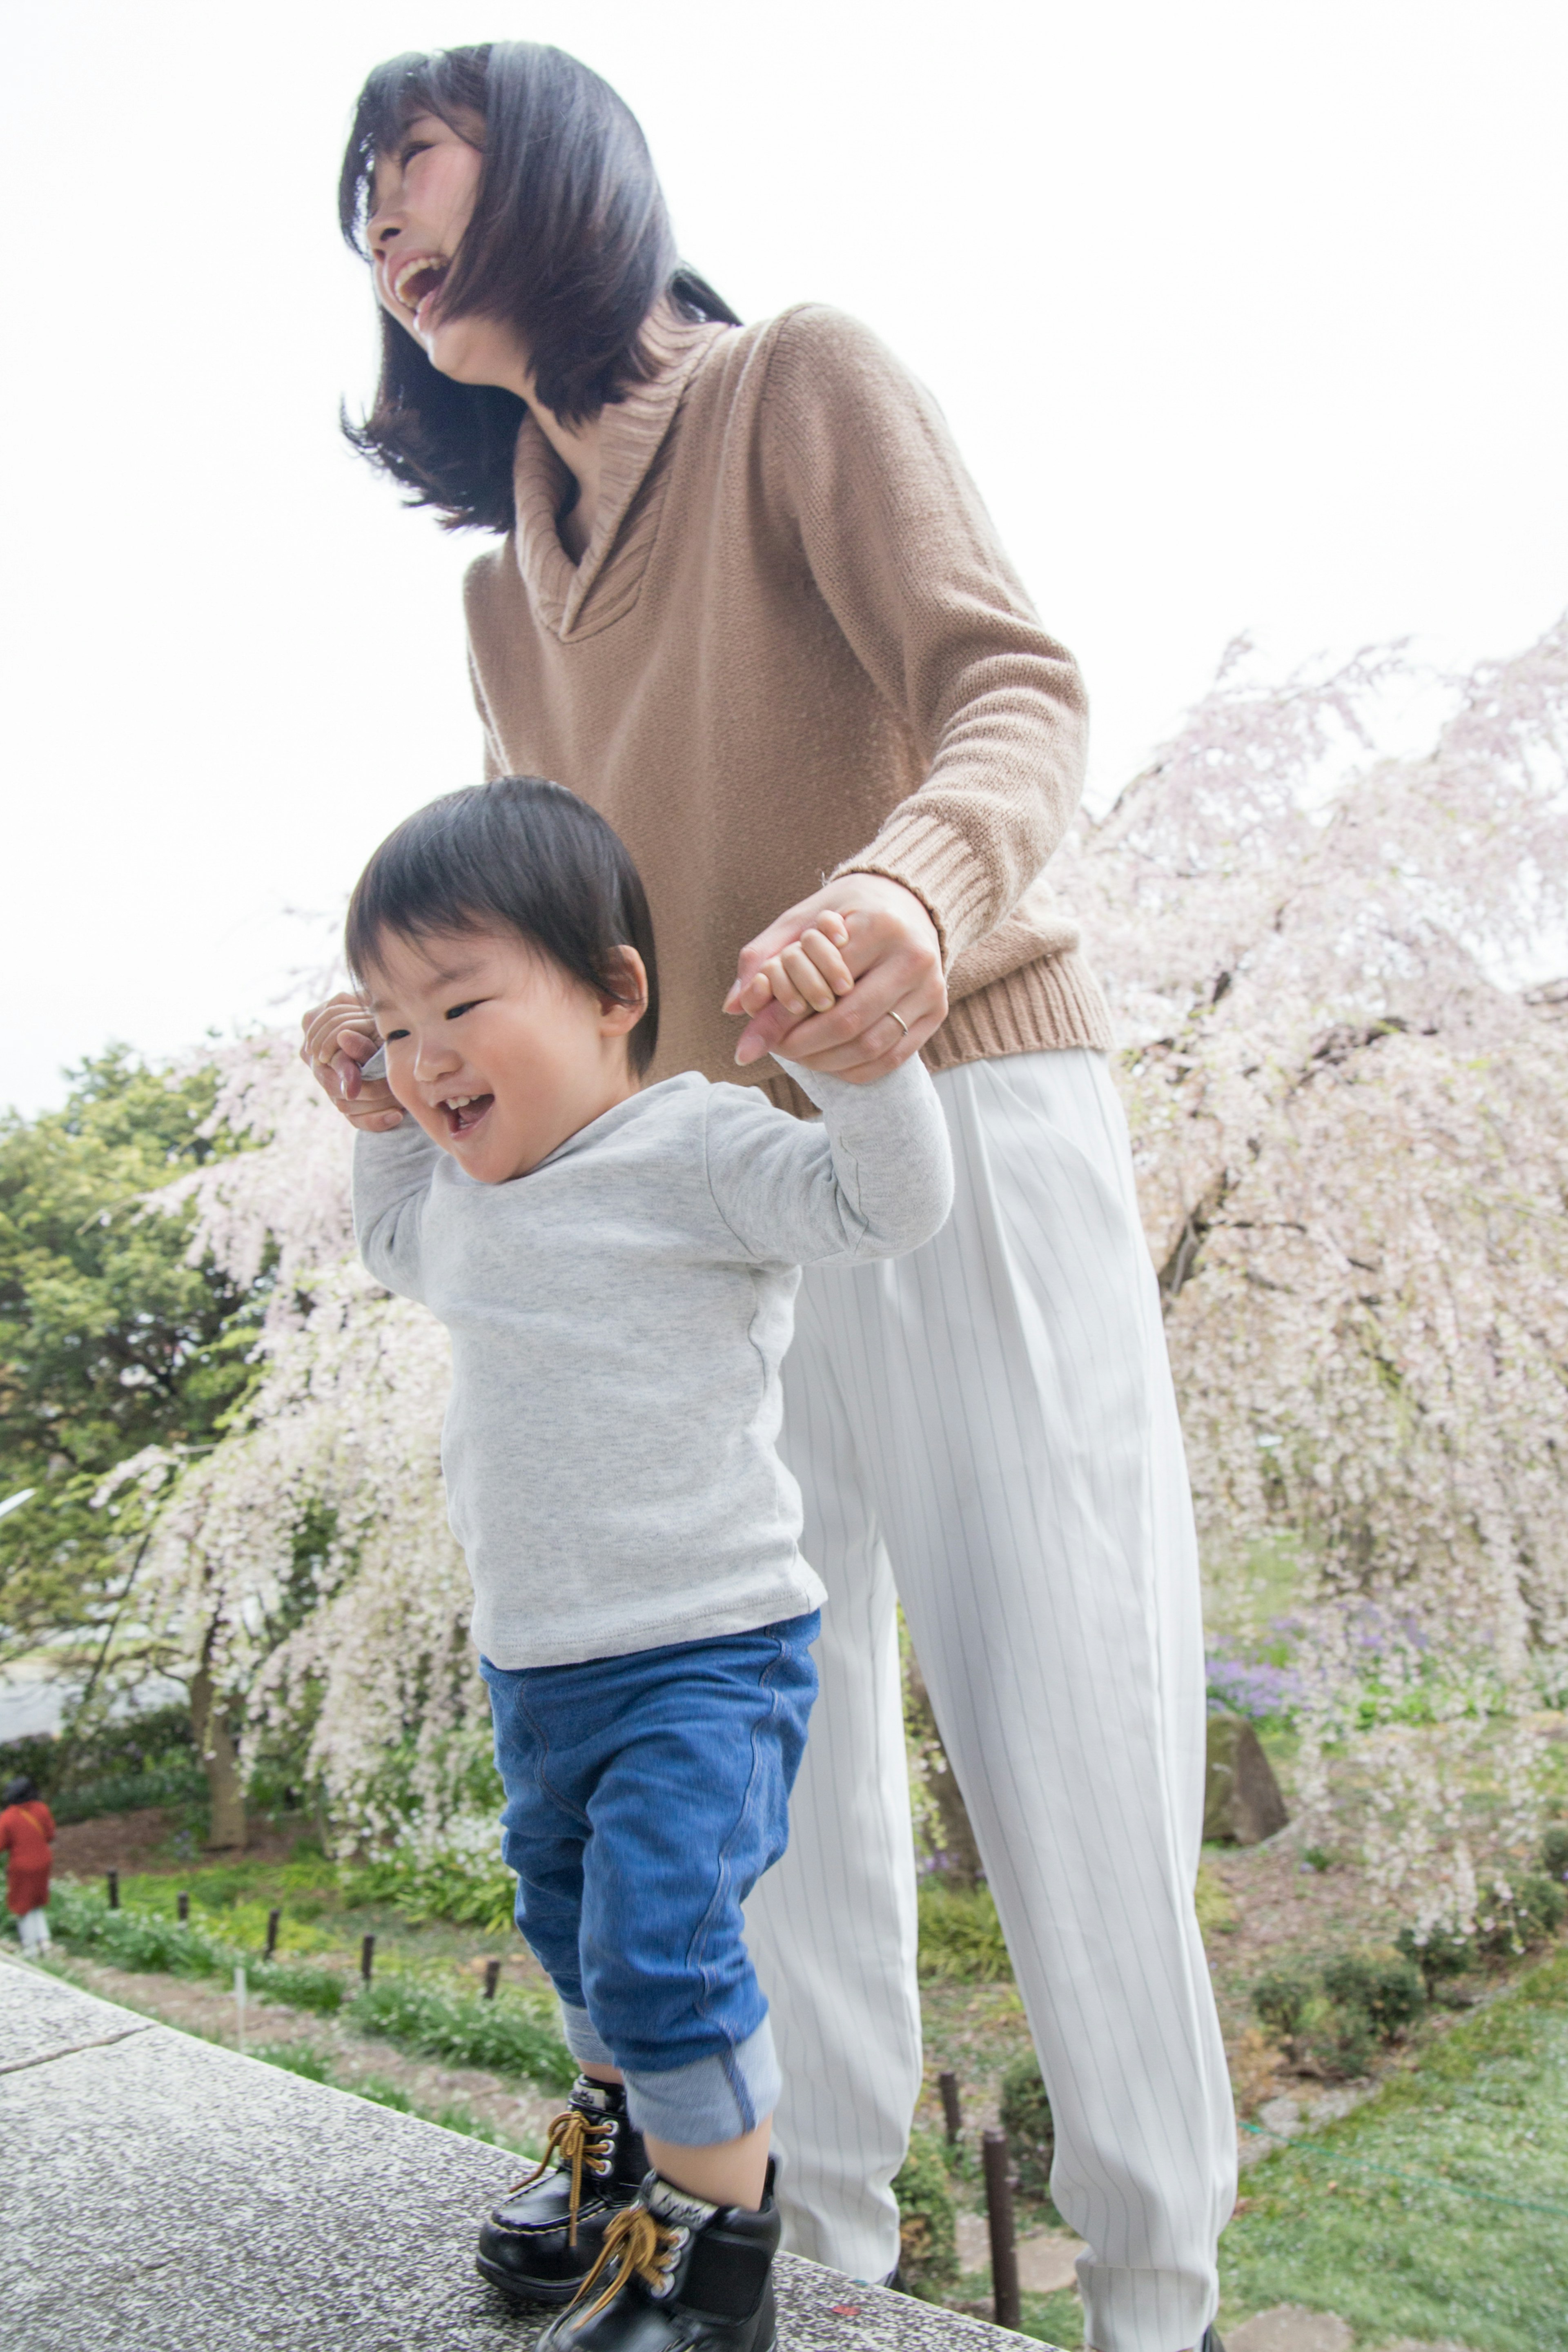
[{"x": 1246, "y": 316}]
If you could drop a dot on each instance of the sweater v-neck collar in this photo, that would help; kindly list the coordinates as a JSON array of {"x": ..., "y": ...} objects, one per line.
[{"x": 631, "y": 434}]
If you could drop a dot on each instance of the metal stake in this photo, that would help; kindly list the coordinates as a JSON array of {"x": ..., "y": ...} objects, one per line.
[
  {"x": 999, "y": 2214},
  {"x": 492, "y": 1979},
  {"x": 182, "y": 1906},
  {"x": 114, "y": 1890},
  {"x": 239, "y": 2002},
  {"x": 274, "y": 1921},
  {"x": 953, "y": 2113},
  {"x": 367, "y": 1957}
]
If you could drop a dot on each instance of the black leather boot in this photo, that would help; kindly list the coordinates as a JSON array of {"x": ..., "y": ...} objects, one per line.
[
  {"x": 676, "y": 2275},
  {"x": 541, "y": 2243}
]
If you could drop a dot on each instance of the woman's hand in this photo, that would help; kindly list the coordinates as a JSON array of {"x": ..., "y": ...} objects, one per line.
[
  {"x": 339, "y": 1036},
  {"x": 890, "y": 953}
]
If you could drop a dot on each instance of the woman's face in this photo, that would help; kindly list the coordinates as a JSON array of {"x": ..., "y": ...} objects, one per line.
[{"x": 422, "y": 201}]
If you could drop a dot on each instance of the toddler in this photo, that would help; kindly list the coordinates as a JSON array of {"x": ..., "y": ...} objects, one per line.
[{"x": 616, "y": 1264}]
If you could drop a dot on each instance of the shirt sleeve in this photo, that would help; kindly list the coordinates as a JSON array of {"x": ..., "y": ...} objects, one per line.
[
  {"x": 391, "y": 1186},
  {"x": 874, "y": 1178},
  {"x": 861, "y": 466}
]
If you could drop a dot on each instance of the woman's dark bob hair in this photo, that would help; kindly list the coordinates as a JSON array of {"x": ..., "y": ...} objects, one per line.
[
  {"x": 23, "y": 1791},
  {"x": 570, "y": 243},
  {"x": 518, "y": 856}
]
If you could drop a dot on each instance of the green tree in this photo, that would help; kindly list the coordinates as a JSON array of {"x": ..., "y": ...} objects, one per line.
[{"x": 109, "y": 1342}]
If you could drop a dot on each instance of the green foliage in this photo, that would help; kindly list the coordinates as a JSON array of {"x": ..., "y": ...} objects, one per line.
[
  {"x": 1336, "y": 2022},
  {"x": 177, "y": 1782},
  {"x": 1391, "y": 1993},
  {"x": 1554, "y": 1851},
  {"x": 961, "y": 1936},
  {"x": 1439, "y": 1955},
  {"x": 1283, "y": 2001},
  {"x": 295, "y": 2058},
  {"x": 1523, "y": 1918},
  {"x": 109, "y": 1340},
  {"x": 465, "y": 1881},
  {"x": 928, "y": 2220},
  {"x": 1026, "y": 2116},
  {"x": 505, "y": 2035},
  {"x": 152, "y": 1942}
]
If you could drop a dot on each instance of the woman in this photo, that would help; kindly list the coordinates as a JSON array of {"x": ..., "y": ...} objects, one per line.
[
  {"x": 746, "y": 602},
  {"x": 27, "y": 1833}
]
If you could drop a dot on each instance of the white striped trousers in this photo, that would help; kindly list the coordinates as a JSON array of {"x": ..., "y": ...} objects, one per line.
[{"x": 988, "y": 1425}]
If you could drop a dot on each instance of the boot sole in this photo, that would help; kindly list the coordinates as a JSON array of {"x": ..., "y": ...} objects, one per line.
[{"x": 518, "y": 2290}]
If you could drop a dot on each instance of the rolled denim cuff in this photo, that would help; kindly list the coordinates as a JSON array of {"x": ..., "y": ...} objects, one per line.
[
  {"x": 709, "y": 2100},
  {"x": 586, "y": 2046}
]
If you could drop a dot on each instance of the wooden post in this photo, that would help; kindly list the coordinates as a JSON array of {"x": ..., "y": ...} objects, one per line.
[
  {"x": 240, "y": 2005},
  {"x": 999, "y": 2214},
  {"x": 953, "y": 2113},
  {"x": 367, "y": 1957},
  {"x": 182, "y": 1906},
  {"x": 492, "y": 1979},
  {"x": 114, "y": 1890},
  {"x": 274, "y": 1921}
]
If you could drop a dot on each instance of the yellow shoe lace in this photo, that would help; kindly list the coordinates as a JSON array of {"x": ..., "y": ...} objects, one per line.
[
  {"x": 641, "y": 2247},
  {"x": 574, "y": 2140}
]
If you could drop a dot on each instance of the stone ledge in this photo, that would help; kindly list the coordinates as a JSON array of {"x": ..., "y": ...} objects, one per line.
[{"x": 164, "y": 2195}]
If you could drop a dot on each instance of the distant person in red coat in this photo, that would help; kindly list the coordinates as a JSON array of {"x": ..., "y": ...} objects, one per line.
[{"x": 27, "y": 1833}]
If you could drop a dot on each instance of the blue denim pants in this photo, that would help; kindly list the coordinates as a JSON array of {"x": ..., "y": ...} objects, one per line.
[{"x": 644, "y": 1797}]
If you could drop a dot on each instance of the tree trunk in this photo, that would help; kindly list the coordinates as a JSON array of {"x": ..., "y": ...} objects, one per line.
[
  {"x": 960, "y": 1861},
  {"x": 220, "y": 1761}
]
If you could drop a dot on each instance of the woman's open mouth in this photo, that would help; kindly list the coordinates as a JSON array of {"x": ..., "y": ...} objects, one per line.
[
  {"x": 416, "y": 281},
  {"x": 463, "y": 1113}
]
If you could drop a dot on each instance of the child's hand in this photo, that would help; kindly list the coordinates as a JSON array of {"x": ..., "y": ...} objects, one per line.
[
  {"x": 808, "y": 976},
  {"x": 339, "y": 1036}
]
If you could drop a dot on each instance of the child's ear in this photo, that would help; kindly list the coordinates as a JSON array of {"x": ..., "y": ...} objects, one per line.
[{"x": 618, "y": 1019}]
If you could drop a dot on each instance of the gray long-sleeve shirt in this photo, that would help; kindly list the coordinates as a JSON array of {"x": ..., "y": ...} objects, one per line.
[{"x": 618, "y": 1318}]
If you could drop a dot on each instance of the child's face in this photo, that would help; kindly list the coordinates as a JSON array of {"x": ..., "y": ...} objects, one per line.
[{"x": 496, "y": 1051}]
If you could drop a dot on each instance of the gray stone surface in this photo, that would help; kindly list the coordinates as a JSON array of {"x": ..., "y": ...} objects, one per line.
[{"x": 164, "y": 2195}]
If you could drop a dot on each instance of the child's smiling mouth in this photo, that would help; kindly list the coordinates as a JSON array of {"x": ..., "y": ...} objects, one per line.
[{"x": 463, "y": 1113}]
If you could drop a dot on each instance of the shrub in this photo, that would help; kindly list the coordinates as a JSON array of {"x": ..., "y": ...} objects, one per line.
[
  {"x": 320, "y": 1989},
  {"x": 1026, "y": 2117},
  {"x": 456, "y": 1874},
  {"x": 1439, "y": 1954},
  {"x": 928, "y": 2223},
  {"x": 1554, "y": 1851},
  {"x": 1339, "y": 2039},
  {"x": 961, "y": 1936},
  {"x": 1390, "y": 1993},
  {"x": 1521, "y": 1917},
  {"x": 1281, "y": 2001},
  {"x": 499, "y": 2034}
]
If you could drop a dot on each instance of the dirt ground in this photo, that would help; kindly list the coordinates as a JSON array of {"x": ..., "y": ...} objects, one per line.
[{"x": 144, "y": 1840}]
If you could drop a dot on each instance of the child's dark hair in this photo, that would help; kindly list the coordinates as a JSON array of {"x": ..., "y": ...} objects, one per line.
[
  {"x": 570, "y": 242},
  {"x": 520, "y": 855}
]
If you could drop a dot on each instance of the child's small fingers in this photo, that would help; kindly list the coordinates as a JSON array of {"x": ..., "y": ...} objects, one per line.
[
  {"x": 785, "y": 981},
  {"x": 806, "y": 960},
  {"x": 824, "y": 953}
]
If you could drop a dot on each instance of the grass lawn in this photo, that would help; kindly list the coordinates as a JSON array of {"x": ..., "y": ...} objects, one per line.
[{"x": 1477, "y": 2249}]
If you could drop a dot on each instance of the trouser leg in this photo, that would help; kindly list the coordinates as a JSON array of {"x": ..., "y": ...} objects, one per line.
[
  {"x": 1007, "y": 1399},
  {"x": 832, "y": 1928}
]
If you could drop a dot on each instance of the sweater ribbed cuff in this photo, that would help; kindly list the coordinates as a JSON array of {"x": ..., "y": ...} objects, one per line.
[
  {"x": 927, "y": 856},
  {"x": 1043, "y": 1006}
]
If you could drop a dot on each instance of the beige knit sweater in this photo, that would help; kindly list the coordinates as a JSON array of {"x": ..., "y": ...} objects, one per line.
[{"x": 794, "y": 647}]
